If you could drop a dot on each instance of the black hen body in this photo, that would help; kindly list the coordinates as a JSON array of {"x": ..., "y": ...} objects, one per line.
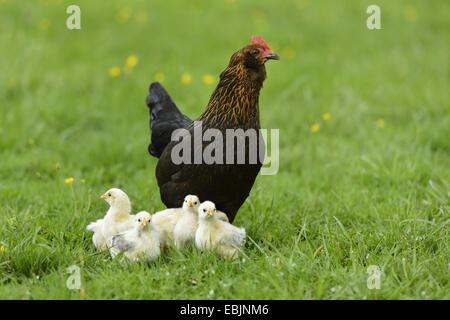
[{"x": 233, "y": 105}]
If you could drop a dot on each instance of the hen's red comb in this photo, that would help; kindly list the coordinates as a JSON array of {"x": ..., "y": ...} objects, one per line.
[{"x": 259, "y": 40}]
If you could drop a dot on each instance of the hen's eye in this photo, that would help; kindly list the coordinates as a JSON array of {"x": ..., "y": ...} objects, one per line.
[{"x": 255, "y": 51}]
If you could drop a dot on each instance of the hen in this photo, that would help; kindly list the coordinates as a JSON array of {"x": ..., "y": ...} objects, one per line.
[{"x": 233, "y": 105}]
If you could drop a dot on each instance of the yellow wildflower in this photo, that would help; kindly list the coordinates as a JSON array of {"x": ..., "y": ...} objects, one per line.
[
  {"x": 326, "y": 116},
  {"x": 44, "y": 24},
  {"x": 381, "y": 123},
  {"x": 2, "y": 248},
  {"x": 114, "y": 72},
  {"x": 69, "y": 180},
  {"x": 186, "y": 78},
  {"x": 315, "y": 127},
  {"x": 12, "y": 83},
  {"x": 159, "y": 76},
  {"x": 208, "y": 79},
  {"x": 410, "y": 13},
  {"x": 123, "y": 14},
  {"x": 132, "y": 61}
]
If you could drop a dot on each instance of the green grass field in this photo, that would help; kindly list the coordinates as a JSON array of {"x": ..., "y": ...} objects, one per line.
[{"x": 368, "y": 184}]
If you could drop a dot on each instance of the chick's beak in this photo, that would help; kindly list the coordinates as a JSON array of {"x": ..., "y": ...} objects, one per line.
[
  {"x": 103, "y": 196},
  {"x": 144, "y": 222},
  {"x": 210, "y": 212},
  {"x": 272, "y": 56},
  {"x": 189, "y": 203}
]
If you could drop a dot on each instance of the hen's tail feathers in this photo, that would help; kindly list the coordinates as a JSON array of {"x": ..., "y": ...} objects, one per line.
[{"x": 165, "y": 117}]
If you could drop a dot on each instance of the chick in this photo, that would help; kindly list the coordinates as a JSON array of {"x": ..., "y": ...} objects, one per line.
[
  {"x": 215, "y": 233},
  {"x": 118, "y": 218},
  {"x": 97, "y": 238},
  {"x": 187, "y": 225},
  {"x": 140, "y": 243},
  {"x": 165, "y": 222}
]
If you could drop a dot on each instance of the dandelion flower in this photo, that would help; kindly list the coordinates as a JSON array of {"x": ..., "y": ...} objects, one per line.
[
  {"x": 114, "y": 72},
  {"x": 159, "y": 76},
  {"x": 12, "y": 83},
  {"x": 2, "y": 248},
  {"x": 208, "y": 79},
  {"x": 315, "y": 127},
  {"x": 44, "y": 24},
  {"x": 132, "y": 61},
  {"x": 381, "y": 123},
  {"x": 123, "y": 14},
  {"x": 410, "y": 13},
  {"x": 186, "y": 78},
  {"x": 326, "y": 116},
  {"x": 69, "y": 180}
]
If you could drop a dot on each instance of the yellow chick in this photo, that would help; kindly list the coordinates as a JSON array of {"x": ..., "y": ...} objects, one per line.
[
  {"x": 215, "y": 233},
  {"x": 97, "y": 238},
  {"x": 140, "y": 243},
  {"x": 118, "y": 218},
  {"x": 187, "y": 225},
  {"x": 165, "y": 222}
]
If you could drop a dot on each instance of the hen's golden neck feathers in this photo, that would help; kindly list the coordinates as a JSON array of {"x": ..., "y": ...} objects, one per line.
[{"x": 234, "y": 102}]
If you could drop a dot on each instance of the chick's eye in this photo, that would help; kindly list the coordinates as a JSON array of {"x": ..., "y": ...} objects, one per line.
[
  {"x": 139, "y": 220},
  {"x": 204, "y": 210},
  {"x": 195, "y": 202},
  {"x": 109, "y": 194}
]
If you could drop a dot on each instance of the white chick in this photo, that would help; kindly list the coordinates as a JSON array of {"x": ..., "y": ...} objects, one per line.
[
  {"x": 97, "y": 238},
  {"x": 165, "y": 222},
  {"x": 118, "y": 218},
  {"x": 215, "y": 233},
  {"x": 186, "y": 227},
  {"x": 140, "y": 243}
]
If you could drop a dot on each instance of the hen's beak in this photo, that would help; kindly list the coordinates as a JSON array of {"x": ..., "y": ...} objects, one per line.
[
  {"x": 210, "y": 212},
  {"x": 144, "y": 222},
  {"x": 189, "y": 203},
  {"x": 104, "y": 196},
  {"x": 272, "y": 56}
]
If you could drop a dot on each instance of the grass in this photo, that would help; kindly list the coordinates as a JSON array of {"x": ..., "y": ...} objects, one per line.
[{"x": 369, "y": 187}]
